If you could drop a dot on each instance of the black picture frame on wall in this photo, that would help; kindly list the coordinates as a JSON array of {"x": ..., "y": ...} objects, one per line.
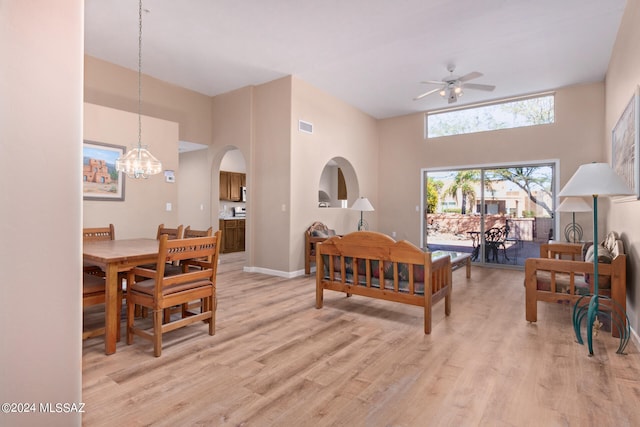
[
  {"x": 625, "y": 148},
  {"x": 100, "y": 180}
]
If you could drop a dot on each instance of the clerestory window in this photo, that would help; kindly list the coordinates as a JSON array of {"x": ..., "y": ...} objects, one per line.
[{"x": 514, "y": 113}]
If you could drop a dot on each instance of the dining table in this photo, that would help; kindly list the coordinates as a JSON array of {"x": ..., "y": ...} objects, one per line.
[{"x": 113, "y": 257}]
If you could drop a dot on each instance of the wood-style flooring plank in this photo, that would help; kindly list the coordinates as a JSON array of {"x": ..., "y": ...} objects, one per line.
[{"x": 276, "y": 360}]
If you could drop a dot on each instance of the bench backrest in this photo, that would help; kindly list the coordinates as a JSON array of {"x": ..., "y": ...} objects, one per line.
[{"x": 364, "y": 257}]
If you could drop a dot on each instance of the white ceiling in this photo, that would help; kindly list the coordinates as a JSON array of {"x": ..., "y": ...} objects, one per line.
[{"x": 371, "y": 54}]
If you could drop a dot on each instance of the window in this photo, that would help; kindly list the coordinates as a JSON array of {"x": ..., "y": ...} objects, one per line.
[
  {"x": 522, "y": 112},
  {"x": 459, "y": 205}
]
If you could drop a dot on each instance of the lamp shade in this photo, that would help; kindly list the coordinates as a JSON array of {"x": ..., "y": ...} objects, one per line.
[
  {"x": 574, "y": 204},
  {"x": 362, "y": 204},
  {"x": 595, "y": 179}
]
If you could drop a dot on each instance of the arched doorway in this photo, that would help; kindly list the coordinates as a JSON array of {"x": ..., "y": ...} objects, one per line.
[{"x": 232, "y": 199}]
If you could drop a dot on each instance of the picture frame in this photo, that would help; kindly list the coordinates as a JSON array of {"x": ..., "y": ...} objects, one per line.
[
  {"x": 625, "y": 147},
  {"x": 100, "y": 180}
]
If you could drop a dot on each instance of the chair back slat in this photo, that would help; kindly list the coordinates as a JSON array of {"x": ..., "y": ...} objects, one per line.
[{"x": 93, "y": 234}]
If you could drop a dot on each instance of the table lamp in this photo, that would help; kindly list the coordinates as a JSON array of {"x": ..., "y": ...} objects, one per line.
[
  {"x": 362, "y": 204},
  {"x": 573, "y": 205},
  {"x": 595, "y": 179}
]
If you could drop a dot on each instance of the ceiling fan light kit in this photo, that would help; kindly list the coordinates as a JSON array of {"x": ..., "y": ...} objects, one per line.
[{"x": 452, "y": 87}]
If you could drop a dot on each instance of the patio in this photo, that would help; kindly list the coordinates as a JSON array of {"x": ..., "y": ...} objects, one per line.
[{"x": 517, "y": 251}]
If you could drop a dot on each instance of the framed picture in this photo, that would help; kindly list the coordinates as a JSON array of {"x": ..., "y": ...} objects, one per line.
[
  {"x": 625, "y": 155},
  {"x": 100, "y": 180}
]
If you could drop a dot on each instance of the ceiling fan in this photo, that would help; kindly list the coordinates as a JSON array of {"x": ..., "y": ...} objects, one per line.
[{"x": 452, "y": 87}]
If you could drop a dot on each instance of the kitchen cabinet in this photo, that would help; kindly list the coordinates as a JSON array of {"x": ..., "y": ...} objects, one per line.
[
  {"x": 224, "y": 186},
  {"x": 233, "y": 231},
  {"x": 231, "y": 184}
]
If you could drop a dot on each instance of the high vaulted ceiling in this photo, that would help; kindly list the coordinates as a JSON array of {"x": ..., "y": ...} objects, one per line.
[{"x": 371, "y": 54}]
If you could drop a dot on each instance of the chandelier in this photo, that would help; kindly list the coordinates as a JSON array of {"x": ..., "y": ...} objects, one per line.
[{"x": 139, "y": 162}]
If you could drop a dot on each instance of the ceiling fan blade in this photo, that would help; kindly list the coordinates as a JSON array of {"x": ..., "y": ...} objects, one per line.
[
  {"x": 426, "y": 94},
  {"x": 470, "y": 76},
  {"x": 476, "y": 86},
  {"x": 433, "y": 82}
]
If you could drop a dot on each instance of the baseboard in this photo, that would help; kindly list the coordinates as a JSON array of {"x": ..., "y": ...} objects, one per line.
[{"x": 270, "y": 272}]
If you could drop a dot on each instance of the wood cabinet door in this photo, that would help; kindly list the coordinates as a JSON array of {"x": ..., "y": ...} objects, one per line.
[
  {"x": 233, "y": 231},
  {"x": 231, "y": 184},
  {"x": 224, "y": 186},
  {"x": 235, "y": 184},
  {"x": 240, "y": 234},
  {"x": 230, "y": 235}
]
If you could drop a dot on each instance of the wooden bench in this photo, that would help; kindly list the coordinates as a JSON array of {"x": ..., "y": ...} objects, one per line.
[
  {"x": 359, "y": 262},
  {"x": 560, "y": 276}
]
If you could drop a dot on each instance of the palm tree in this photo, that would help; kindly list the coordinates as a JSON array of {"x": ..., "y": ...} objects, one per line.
[{"x": 464, "y": 182}]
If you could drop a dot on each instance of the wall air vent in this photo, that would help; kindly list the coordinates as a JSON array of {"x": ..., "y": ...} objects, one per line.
[{"x": 305, "y": 126}]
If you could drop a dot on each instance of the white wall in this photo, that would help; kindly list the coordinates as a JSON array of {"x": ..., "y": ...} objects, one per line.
[{"x": 41, "y": 46}]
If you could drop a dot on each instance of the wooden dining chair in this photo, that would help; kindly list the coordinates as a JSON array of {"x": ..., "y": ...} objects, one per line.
[
  {"x": 173, "y": 233},
  {"x": 157, "y": 292},
  {"x": 93, "y": 286},
  {"x": 93, "y": 293},
  {"x": 93, "y": 234},
  {"x": 189, "y": 232}
]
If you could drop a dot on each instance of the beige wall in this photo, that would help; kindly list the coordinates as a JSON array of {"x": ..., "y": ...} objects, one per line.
[
  {"x": 284, "y": 166},
  {"x": 194, "y": 191},
  {"x": 575, "y": 138},
  {"x": 41, "y": 44},
  {"x": 144, "y": 207},
  {"x": 233, "y": 129},
  {"x": 113, "y": 86},
  {"x": 623, "y": 78},
  {"x": 270, "y": 183},
  {"x": 339, "y": 130}
]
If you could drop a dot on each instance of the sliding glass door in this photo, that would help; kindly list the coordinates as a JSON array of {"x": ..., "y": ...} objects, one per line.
[{"x": 499, "y": 214}]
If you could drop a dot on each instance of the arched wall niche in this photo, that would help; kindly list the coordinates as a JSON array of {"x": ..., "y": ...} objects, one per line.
[{"x": 332, "y": 186}]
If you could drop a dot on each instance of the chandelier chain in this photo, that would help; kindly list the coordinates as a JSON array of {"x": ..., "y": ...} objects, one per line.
[
  {"x": 139, "y": 73},
  {"x": 139, "y": 162}
]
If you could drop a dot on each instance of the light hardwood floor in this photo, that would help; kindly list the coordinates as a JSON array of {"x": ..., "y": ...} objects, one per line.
[{"x": 277, "y": 361}]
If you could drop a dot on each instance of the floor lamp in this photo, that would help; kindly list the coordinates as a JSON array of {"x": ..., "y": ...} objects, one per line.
[
  {"x": 362, "y": 204},
  {"x": 573, "y": 205},
  {"x": 596, "y": 179}
]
